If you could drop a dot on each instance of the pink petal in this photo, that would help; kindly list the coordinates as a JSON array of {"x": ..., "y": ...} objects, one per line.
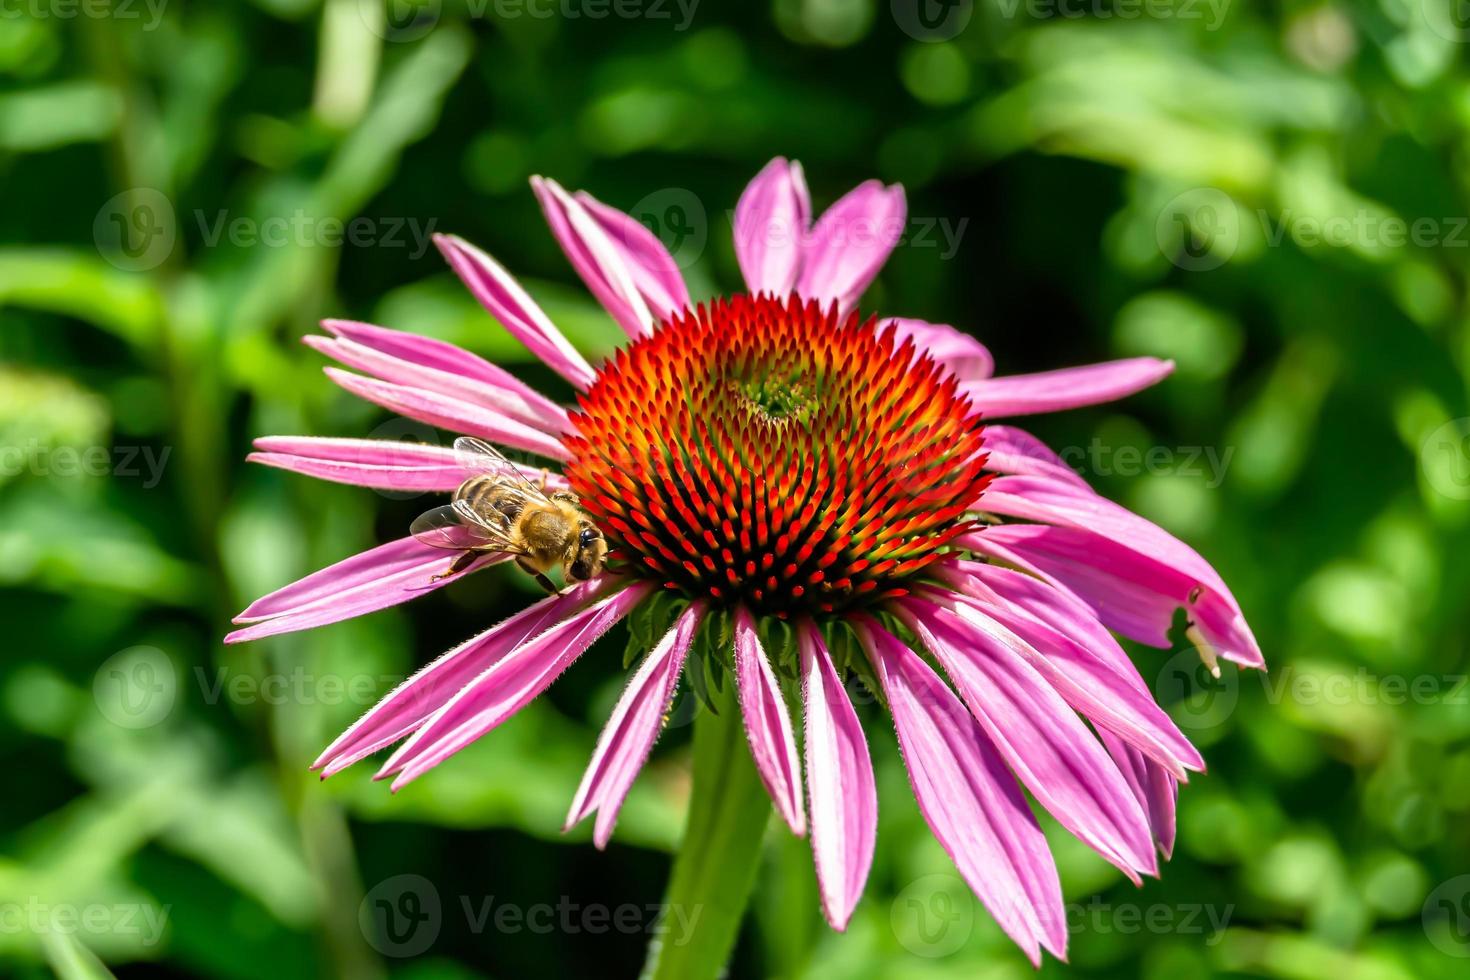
[
  {"x": 499, "y": 293},
  {"x": 770, "y": 225},
  {"x": 969, "y": 799},
  {"x": 969, "y": 359},
  {"x": 1155, "y": 788},
  {"x": 1052, "y": 391},
  {"x": 840, "y": 787},
  {"x": 595, "y": 257},
  {"x": 850, "y": 242},
  {"x": 449, "y": 413},
  {"x": 381, "y": 463},
  {"x": 1037, "y": 733},
  {"x": 1088, "y": 683},
  {"x": 506, "y": 687},
  {"x": 635, "y": 725},
  {"x": 539, "y": 414},
  {"x": 767, "y": 724},
  {"x": 655, "y": 273},
  {"x": 441, "y": 356},
  {"x": 1209, "y": 602},
  {"x": 385, "y": 576},
  {"x": 402, "y": 712},
  {"x": 1010, "y": 450}
]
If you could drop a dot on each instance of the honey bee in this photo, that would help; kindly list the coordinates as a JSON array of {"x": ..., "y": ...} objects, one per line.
[{"x": 500, "y": 510}]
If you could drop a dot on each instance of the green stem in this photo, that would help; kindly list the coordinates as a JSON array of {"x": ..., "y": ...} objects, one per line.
[{"x": 715, "y": 866}]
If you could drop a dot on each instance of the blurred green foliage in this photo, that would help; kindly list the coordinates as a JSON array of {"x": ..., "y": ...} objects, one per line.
[{"x": 1273, "y": 195}]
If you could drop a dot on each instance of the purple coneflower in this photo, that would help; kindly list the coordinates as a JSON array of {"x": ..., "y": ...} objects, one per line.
[{"x": 806, "y": 495}]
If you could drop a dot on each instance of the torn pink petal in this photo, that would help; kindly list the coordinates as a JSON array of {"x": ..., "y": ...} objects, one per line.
[
  {"x": 506, "y": 687},
  {"x": 1037, "y": 732},
  {"x": 635, "y": 724},
  {"x": 539, "y": 414},
  {"x": 969, "y": 799},
  {"x": 840, "y": 787},
  {"x": 770, "y": 225},
  {"x": 969, "y": 359},
  {"x": 595, "y": 257},
  {"x": 385, "y": 576},
  {"x": 449, "y": 413},
  {"x": 767, "y": 723},
  {"x": 499, "y": 293},
  {"x": 411, "y": 703},
  {"x": 1052, "y": 391},
  {"x": 850, "y": 242},
  {"x": 655, "y": 273},
  {"x": 1208, "y": 600}
]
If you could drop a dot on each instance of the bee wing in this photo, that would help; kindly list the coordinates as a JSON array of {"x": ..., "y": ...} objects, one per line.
[
  {"x": 454, "y": 527},
  {"x": 481, "y": 457}
]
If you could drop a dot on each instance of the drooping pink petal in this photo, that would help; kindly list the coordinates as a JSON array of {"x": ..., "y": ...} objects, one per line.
[
  {"x": 499, "y": 293},
  {"x": 442, "y": 356},
  {"x": 1011, "y": 450},
  {"x": 969, "y": 799},
  {"x": 380, "y": 463},
  {"x": 506, "y": 687},
  {"x": 405, "y": 709},
  {"x": 767, "y": 723},
  {"x": 1039, "y": 735},
  {"x": 549, "y": 418},
  {"x": 840, "y": 787},
  {"x": 385, "y": 576},
  {"x": 1155, "y": 788},
  {"x": 770, "y": 226},
  {"x": 595, "y": 257},
  {"x": 655, "y": 273},
  {"x": 969, "y": 359},
  {"x": 449, "y": 413},
  {"x": 850, "y": 242},
  {"x": 1208, "y": 600},
  {"x": 634, "y": 726},
  {"x": 1052, "y": 391},
  {"x": 1086, "y": 681}
]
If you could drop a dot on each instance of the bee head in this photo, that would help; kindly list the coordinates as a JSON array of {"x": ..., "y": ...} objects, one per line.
[{"x": 591, "y": 550}]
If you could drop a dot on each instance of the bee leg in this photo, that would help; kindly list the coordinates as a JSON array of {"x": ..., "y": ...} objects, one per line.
[
  {"x": 460, "y": 564},
  {"x": 539, "y": 576}
]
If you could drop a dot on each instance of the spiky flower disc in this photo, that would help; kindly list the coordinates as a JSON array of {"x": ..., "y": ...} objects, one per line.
[{"x": 774, "y": 453}]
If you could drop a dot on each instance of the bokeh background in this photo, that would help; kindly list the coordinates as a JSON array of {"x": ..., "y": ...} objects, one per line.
[{"x": 1273, "y": 194}]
